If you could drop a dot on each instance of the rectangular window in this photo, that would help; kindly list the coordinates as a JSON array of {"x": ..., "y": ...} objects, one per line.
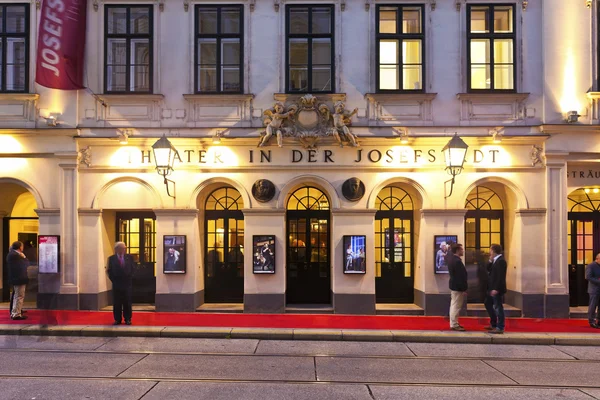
[
  {"x": 491, "y": 42},
  {"x": 309, "y": 49},
  {"x": 14, "y": 47},
  {"x": 128, "y": 48},
  {"x": 400, "y": 48},
  {"x": 219, "y": 49}
]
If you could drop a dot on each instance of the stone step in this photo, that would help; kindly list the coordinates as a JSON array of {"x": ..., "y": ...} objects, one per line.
[
  {"x": 398, "y": 309},
  {"x": 227, "y": 308}
]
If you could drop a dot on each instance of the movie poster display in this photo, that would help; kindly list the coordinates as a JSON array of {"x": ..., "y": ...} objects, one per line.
[
  {"x": 263, "y": 259},
  {"x": 354, "y": 257},
  {"x": 48, "y": 254},
  {"x": 175, "y": 254},
  {"x": 441, "y": 249}
]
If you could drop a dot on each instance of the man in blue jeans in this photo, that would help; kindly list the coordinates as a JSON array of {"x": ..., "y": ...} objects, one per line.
[{"x": 496, "y": 290}]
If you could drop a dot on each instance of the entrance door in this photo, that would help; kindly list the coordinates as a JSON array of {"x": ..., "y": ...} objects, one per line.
[
  {"x": 308, "y": 275},
  {"x": 583, "y": 232},
  {"x": 394, "y": 280},
  {"x": 484, "y": 226},
  {"x": 583, "y": 240},
  {"x": 138, "y": 231},
  {"x": 25, "y": 231},
  {"x": 224, "y": 262}
]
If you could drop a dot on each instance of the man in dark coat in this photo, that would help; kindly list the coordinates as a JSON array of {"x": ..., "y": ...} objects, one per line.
[
  {"x": 496, "y": 290},
  {"x": 17, "y": 265},
  {"x": 592, "y": 274},
  {"x": 458, "y": 284},
  {"x": 120, "y": 271}
]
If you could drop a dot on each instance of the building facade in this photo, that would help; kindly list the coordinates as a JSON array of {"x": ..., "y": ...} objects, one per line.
[{"x": 309, "y": 165}]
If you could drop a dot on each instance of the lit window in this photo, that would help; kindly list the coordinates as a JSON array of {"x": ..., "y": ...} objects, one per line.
[
  {"x": 400, "y": 42},
  {"x": 491, "y": 46}
]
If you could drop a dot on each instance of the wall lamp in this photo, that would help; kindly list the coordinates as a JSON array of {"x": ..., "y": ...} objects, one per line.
[
  {"x": 454, "y": 153},
  {"x": 496, "y": 135},
  {"x": 216, "y": 139},
  {"x": 123, "y": 136},
  {"x": 164, "y": 158},
  {"x": 572, "y": 117},
  {"x": 52, "y": 119},
  {"x": 402, "y": 134}
]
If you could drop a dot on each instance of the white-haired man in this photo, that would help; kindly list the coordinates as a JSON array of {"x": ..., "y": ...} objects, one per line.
[{"x": 120, "y": 271}]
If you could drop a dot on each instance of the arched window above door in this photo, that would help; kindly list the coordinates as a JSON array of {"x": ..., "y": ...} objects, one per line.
[
  {"x": 393, "y": 198},
  {"x": 483, "y": 198},
  {"x": 225, "y": 198},
  {"x": 308, "y": 198},
  {"x": 584, "y": 200}
]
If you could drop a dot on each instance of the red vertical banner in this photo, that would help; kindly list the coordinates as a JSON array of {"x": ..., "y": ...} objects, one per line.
[{"x": 61, "y": 44}]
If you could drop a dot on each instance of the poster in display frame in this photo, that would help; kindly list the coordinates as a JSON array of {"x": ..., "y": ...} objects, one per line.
[
  {"x": 354, "y": 254},
  {"x": 263, "y": 257},
  {"x": 174, "y": 254},
  {"x": 441, "y": 249},
  {"x": 48, "y": 254}
]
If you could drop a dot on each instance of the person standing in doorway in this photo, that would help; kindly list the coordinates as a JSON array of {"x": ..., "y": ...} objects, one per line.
[
  {"x": 17, "y": 277},
  {"x": 458, "y": 285},
  {"x": 592, "y": 274},
  {"x": 120, "y": 272},
  {"x": 496, "y": 289}
]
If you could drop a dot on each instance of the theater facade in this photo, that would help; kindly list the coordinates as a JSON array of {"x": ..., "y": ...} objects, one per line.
[{"x": 321, "y": 191}]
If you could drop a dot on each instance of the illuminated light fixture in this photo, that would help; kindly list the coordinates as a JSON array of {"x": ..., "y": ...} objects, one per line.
[
  {"x": 52, "y": 119},
  {"x": 596, "y": 190},
  {"x": 164, "y": 158},
  {"x": 123, "y": 136},
  {"x": 588, "y": 3},
  {"x": 572, "y": 117},
  {"x": 586, "y": 190},
  {"x": 217, "y": 137},
  {"x": 496, "y": 135},
  {"x": 454, "y": 153}
]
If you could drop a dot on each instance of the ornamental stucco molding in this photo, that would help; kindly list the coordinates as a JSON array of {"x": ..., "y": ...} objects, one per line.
[
  {"x": 537, "y": 153},
  {"x": 85, "y": 156}
]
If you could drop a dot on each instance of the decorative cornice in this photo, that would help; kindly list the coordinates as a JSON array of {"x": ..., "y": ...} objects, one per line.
[
  {"x": 19, "y": 96},
  {"x": 90, "y": 211},
  {"x": 492, "y": 96},
  {"x": 85, "y": 156},
  {"x": 176, "y": 212},
  {"x": 267, "y": 212},
  {"x": 461, "y": 212},
  {"x": 357, "y": 212},
  {"x": 47, "y": 212},
  {"x": 400, "y": 96},
  {"x": 531, "y": 211}
]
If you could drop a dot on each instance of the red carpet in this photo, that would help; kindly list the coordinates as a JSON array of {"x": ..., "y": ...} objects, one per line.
[{"x": 312, "y": 321}]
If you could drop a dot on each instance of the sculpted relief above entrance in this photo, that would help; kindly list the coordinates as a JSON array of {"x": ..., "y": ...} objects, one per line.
[{"x": 309, "y": 122}]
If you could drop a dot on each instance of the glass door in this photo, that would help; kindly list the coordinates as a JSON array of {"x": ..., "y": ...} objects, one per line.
[
  {"x": 308, "y": 269},
  {"x": 138, "y": 232},
  {"x": 583, "y": 232}
]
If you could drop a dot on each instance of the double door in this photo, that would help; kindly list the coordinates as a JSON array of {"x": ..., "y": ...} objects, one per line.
[
  {"x": 138, "y": 231},
  {"x": 308, "y": 274},
  {"x": 224, "y": 262},
  {"x": 583, "y": 233},
  {"x": 394, "y": 280}
]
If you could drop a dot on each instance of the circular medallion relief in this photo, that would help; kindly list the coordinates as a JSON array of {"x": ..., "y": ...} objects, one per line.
[
  {"x": 353, "y": 189},
  {"x": 263, "y": 190}
]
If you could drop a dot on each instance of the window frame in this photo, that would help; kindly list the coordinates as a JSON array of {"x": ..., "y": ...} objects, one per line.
[
  {"x": 128, "y": 37},
  {"x": 218, "y": 36},
  {"x": 4, "y": 35},
  {"x": 400, "y": 37},
  {"x": 492, "y": 36},
  {"x": 309, "y": 36}
]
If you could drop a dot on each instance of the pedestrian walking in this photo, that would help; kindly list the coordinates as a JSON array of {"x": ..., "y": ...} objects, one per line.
[
  {"x": 496, "y": 290},
  {"x": 17, "y": 278},
  {"x": 592, "y": 274},
  {"x": 458, "y": 284},
  {"x": 120, "y": 272}
]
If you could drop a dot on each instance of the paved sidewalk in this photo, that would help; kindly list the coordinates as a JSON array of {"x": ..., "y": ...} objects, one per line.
[{"x": 429, "y": 336}]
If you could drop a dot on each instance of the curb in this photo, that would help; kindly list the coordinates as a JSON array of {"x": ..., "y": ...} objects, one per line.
[{"x": 550, "y": 338}]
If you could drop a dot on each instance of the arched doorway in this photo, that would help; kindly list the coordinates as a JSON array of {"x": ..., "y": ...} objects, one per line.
[
  {"x": 20, "y": 222},
  {"x": 484, "y": 226},
  {"x": 308, "y": 275},
  {"x": 224, "y": 247},
  {"x": 583, "y": 240},
  {"x": 394, "y": 225}
]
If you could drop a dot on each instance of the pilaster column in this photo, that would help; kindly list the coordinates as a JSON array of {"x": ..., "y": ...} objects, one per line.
[
  {"x": 557, "y": 278},
  {"x": 93, "y": 280},
  {"x": 69, "y": 219},
  {"x": 49, "y": 284}
]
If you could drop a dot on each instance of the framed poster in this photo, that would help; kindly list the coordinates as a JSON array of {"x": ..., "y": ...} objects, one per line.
[
  {"x": 393, "y": 240},
  {"x": 263, "y": 260},
  {"x": 175, "y": 254},
  {"x": 441, "y": 249},
  {"x": 48, "y": 254},
  {"x": 354, "y": 254}
]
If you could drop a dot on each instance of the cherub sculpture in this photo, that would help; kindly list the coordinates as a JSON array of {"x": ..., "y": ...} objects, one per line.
[
  {"x": 274, "y": 122},
  {"x": 341, "y": 120}
]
